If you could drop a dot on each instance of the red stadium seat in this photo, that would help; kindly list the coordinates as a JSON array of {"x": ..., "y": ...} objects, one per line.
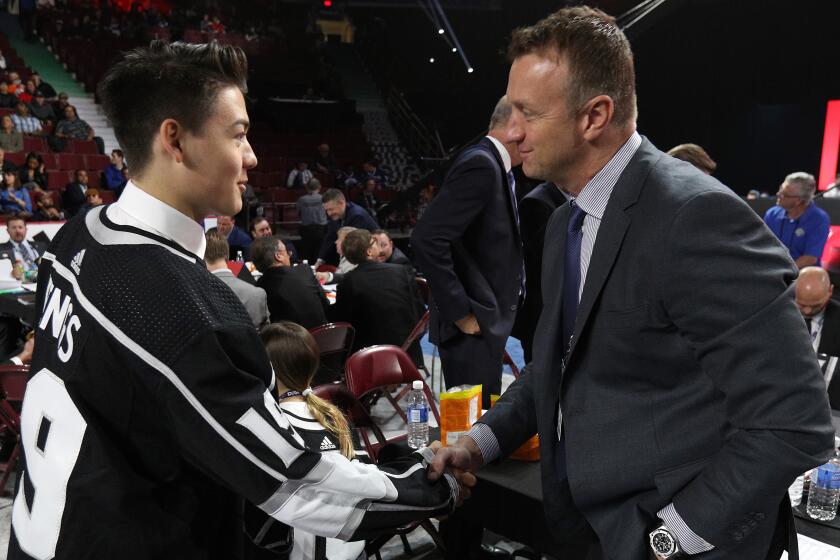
[
  {"x": 71, "y": 162},
  {"x": 34, "y": 144},
  {"x": 93, "y": 180},
  {"x": 96, "y": 162},
  {"x": 18, "y": 158},
  {"x": 108, "y": 196},
  {"x": 57, "y": 180},
  {"x": 50, "y": 160},
  {"x": 81, "y": 146}
]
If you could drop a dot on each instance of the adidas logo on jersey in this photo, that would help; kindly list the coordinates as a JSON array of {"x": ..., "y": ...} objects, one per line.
[
  {"x": 326, "y": 445},
  {"x": 76, "y": 263}
]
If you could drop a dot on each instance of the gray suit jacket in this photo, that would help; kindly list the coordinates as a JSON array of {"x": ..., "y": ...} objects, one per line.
[
  {"x": 690, "y": 379},
  {"x": 252, "y": 297}
]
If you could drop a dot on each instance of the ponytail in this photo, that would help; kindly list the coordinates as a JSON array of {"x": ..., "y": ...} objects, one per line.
[{"x": 331, "y": 418}]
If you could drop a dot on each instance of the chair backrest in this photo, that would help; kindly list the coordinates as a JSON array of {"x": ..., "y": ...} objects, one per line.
[
  {"x": 417, "y": 332},
  {"x": 339, "y": 395},
  {"x": 325, "y": 268},
  {"x": 423, "y": 288},
  {"x": 377, "y": 367},
  {"x": 13, "y": 380},
  {"x": 334, "y": 337}
]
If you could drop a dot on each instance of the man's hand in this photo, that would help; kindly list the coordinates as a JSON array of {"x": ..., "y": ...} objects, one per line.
[
  {"x": 468, "y": 325},
  {"x": 466, "y": 480}
]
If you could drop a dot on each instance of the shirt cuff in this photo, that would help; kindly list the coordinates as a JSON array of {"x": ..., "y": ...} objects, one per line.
[
  {"x": 690, "y": 542},
  {"x": 486, "y": 440},
  {"x": 15, "y": 360}
]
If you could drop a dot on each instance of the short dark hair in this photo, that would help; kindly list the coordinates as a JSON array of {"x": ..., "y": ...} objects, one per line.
[
  {"x": 257, "y": 220},
  {"x": 332, "y": 195},
  {"x": 262, "y": 252},
  {"x": 599, "y": 56},
  {"x": 118, "y": 152},
  {"x": 380, "y": 232},
  {"x": 11, "y": 219},
  {"x": 217, "y": 247},
  {"x": 355, "y": 246},
  {"x": 179, "y": 81}
]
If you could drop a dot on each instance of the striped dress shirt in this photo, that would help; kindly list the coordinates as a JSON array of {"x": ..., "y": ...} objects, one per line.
[{"x": 593, "y": 199}]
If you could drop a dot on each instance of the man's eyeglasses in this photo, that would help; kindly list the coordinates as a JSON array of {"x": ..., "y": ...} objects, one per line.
[{"x": 782, "y": 195}]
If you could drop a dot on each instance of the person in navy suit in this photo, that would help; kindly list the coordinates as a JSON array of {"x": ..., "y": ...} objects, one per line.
[
  {"x": 341, "y": 213},
  {"x": 674, "y": 386},
  {"x": 467, "y": 245}
]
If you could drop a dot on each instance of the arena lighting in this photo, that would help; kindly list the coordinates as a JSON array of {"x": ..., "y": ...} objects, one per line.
[
  {"x": 328, "y": 3},
  {"x": 441, "y": 31},
  {"x": 470, "y": 70},
  {"x": 432, "y": 60},
  {"x": 454, "y": 49}
]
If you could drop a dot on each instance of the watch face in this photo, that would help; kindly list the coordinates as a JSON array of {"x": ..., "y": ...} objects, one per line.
[{"x": 662, "y": 543}]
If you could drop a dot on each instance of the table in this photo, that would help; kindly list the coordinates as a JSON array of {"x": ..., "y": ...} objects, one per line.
[{"x": 507, "y": 500}]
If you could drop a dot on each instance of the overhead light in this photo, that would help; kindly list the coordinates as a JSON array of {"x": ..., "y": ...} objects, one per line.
[
  {"x": 432, "y": 60},
  {"x": 441, "y": 31},
  {"x": 470, "y": 70},
  {"x": 327, "y": 3},
  {"x": 454, "y": 49}
]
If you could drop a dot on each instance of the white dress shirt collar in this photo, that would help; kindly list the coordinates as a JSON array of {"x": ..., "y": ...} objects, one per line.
[
  {"x": 502, "y": 152},
  {"x": 593, "y": 198},
  {"x": 138, "y": 208}
]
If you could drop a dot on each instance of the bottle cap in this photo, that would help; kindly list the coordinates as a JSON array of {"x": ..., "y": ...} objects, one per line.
[{"x": 417, "y": 385}]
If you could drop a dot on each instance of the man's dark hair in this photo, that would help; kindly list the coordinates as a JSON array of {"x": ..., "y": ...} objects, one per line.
[
  {"x": 118, "y": 152},
  {"x": 162, "y": 81},
  {"x": 258, "y": 220},
  {"x": 11, "y": 219},
  {"x": 217, "y": 247},
  {"x": 332, "y": 195},
  {"x": 355, "y": 246},
  {"x": 597, "y": 51},
  {"x": 78, "y": 171},
  {"x": 380, "y": 232},
  {"x": 262, "y": 252}
]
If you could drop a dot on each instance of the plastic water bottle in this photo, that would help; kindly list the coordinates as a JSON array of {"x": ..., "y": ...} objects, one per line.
[
  {"x": 796, "y": 489},
  {"x": 418, "y": 417},
  {"x": 825, "y": 490}
]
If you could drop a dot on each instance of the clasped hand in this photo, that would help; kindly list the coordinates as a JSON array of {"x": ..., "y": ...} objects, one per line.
[{"x": 458, "y": 461}]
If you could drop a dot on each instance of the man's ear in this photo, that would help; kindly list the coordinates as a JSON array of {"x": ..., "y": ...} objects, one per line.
[
  {"x": 598, "y": 114},
  {"x": 170, "y": 135}
]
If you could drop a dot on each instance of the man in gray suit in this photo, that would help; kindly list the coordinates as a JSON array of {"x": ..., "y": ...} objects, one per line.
[
  {"x": 673, "y": 386},
  {"x": 252, "y": 297}
]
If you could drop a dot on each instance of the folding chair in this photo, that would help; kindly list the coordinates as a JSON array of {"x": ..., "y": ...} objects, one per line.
[
  {"x": 335, "y": 342},
  {"x": 339, "y": 395},
  {"x": 13, "y": 380},
  {"x": 370, "y": 372}
]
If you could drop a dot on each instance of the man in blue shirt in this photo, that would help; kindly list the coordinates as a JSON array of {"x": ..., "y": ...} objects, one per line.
[{"x": 799, "y": 224}]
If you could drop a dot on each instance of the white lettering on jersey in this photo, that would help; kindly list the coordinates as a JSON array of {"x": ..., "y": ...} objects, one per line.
[
  {"x": 48, "y": 415},
  {"x": 58, "y": 314}
]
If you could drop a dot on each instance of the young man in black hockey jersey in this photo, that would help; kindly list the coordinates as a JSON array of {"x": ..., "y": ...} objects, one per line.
[{"x": 150, "y": 409}]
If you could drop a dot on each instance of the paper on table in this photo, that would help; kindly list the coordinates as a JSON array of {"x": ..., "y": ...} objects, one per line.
[
  {"x": 811, "y": 549},
  {"x": 7, "y": 281}
]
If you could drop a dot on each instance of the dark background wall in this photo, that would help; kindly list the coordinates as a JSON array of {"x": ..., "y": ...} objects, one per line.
[{"x": 746, "y": 79}]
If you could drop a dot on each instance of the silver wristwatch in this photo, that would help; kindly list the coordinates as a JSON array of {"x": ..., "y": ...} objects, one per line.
[{"x": 664, "y": 544}]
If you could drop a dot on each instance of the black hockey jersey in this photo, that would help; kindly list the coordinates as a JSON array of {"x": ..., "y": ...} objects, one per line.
[{"x": 149, "y": 411}]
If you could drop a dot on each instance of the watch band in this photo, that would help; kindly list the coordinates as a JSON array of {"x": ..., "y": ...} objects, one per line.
[{"x": 664, "y": 544}]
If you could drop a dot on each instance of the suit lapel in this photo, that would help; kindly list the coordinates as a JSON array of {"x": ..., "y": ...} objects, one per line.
[{"x": 611, "y": 232}]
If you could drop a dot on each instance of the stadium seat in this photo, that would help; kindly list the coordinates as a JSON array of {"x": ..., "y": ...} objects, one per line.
[
  {"x": 82, "y": 146},
  {"x": 34, "y": 144},
  {"x": 12, "y": 387},
  {"x": 71, "y": 162},
  {"x": 97, "y": 162},
  {"x": 18, "y": 158}
]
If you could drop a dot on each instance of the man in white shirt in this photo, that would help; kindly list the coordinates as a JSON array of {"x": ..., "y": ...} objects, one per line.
[{"x": 18, "y": 247}]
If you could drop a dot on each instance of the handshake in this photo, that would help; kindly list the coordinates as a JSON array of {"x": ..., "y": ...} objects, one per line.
[{"x": 459, "y": 459}]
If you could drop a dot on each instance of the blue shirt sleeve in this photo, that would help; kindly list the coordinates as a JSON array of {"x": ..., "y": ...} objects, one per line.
[
  {"x": 27, "y": 200},
  {"x": 816, "y": 237}
]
